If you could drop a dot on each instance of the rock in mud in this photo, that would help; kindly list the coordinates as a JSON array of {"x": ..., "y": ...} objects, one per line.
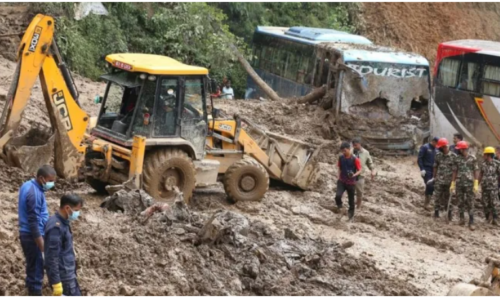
[
  {"x": 226, "y": 227},
  {"x": 134, "y": 201}
]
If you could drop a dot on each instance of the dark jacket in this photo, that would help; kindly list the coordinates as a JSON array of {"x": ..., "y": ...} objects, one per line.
[
  {"x": 348, "y": 165},
  {"x": 32, "y": 210},
  {"x": 59, "y": 254},
  {"x": 426, "y": 157},
  {"x": 454, "y": 149}
]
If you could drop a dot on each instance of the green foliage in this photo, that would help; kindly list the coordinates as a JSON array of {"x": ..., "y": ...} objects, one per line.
[
  {"x": 182, "y": 31},
  {"x": 188, "y": 32},
  {"x": 243, "y": 18}
]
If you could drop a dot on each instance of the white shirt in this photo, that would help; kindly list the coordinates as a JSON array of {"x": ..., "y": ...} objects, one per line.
[{"x": 228, "y": 92}]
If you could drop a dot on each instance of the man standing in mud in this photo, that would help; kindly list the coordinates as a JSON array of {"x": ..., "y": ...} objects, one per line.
[
  {"x": 366, "y": 163},
  {"x": 33, "y": 215},
  {"x": 426, "y": 164},
  {"x": 488, "y": 178},
  {"x": 60, "y": 259},
  {"x": 443, "y": 173},
  {"x": 465, "y": 182},
  {"x": 349, "y": 169}
]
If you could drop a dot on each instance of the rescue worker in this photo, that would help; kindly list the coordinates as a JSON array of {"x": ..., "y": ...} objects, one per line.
[
  {"x": 426, "y": 164},
  {"x": 33, "y": 215},
  {"x": 60, "y": 261},
  {"x": 457, "y": 137},
  {"x": 349, "y": 168},
  {"x": 443, "y": 173},
  {"x": 366, "y": 163},
  {"x": 465, "y": 182},
  {"x": 488, "y": 177}
]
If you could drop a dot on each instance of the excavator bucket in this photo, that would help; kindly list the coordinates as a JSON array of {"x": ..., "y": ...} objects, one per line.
[
  {"x": 31, "y": 150},
  {"x": 296, "y": 159}
]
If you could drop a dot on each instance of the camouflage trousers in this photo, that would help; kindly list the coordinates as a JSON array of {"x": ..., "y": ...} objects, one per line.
[
  {"x": 441, "y": 196},
  {"x": 488, "y": 199},
  {"x": 465, "y": 198}
]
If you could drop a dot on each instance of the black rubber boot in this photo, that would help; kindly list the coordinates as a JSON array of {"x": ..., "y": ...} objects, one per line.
[
  {"x": 471, "y": 222},
  {"x": 462, "y": 219},
  {"x": 350, "y": 214},
  {"x": 450, "y": 215},
  {"x": 436, "y": 213}
]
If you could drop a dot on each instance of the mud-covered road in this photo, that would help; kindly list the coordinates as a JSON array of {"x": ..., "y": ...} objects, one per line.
[{"x": 295, "y": 244}]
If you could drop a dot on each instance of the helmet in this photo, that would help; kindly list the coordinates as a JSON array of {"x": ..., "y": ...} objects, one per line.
[
  {"x": 442, "y": 142},
  {"x": 462, "y": 145},
  {"x": 489, "y": 150}
]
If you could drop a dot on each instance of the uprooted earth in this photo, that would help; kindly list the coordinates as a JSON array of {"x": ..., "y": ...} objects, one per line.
[{"x": 291, "y": 243}]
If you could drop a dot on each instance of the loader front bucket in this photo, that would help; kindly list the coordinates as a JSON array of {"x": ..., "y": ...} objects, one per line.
[{"x": 296, "y": 159}]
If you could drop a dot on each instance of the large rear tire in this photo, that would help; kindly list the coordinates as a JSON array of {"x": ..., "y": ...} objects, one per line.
[
  {"x": 166, "y": 168},
  {"x": 246, "y": 180}
]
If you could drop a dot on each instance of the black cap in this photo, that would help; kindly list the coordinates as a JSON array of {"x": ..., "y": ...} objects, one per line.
[{"x": 435, "y": 139}]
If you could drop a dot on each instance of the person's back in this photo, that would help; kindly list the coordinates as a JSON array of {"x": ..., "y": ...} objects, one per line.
[{"x": 228, "y": 92}]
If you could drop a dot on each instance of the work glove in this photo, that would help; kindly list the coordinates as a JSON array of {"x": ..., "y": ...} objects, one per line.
[
  {"x": 430, "y": 181},
  {"x": 422, "y": 173},
  {"x": 453, "y": 187},
  {"x": 476, "y": 186},
  {"x": 57, "y": 289}
]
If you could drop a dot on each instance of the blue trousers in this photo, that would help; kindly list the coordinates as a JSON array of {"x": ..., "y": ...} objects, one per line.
[
  {"x": 34, "y": 264},
  {"x": 71, "y": 288},
  {"x": 429, "y": 189}
]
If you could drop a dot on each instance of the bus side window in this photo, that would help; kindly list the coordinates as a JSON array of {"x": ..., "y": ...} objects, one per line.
[
  {"x": 448, "y": 71},
  {"x": 491, "y": 84},
  {"x": 469, "y": 75}
]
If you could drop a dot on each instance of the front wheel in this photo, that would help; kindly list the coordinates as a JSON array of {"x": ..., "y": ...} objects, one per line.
[
  {"x": 246, "y": 180},
  {"x": 166, "y": 168}
]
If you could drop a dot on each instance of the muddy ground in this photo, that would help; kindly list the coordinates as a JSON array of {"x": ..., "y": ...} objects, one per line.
[{"x": 295, "y": 244}]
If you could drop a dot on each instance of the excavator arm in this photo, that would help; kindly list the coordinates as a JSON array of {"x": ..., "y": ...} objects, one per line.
[{"x": 39, "y": 57}]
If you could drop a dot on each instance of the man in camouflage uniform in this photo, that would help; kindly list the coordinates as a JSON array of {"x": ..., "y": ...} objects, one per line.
[
  {"x": 443, "y": 173},
  {"x": 488, "y": 177},
  {"x": 464, "y": 182}
]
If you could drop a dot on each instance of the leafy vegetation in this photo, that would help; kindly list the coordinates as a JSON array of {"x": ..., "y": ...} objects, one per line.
[{"x": 184, "y": 31}]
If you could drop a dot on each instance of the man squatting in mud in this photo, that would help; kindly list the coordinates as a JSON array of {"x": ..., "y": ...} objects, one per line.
[
  {"x": 349, "y": 169},
  {"x": 442, "y": 176},
  {"x": 488, "y": 177},
  {"x": 465, "y": 182},
  {"x": 366, "y": 163},
  {"x": 426, "y": 164}
]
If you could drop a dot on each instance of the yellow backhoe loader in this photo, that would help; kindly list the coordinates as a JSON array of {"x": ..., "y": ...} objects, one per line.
[
  {"x": 487, "y": 285},
  {"x": 153, "y": 128}
]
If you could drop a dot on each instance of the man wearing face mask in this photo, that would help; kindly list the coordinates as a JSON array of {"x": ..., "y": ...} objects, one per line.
[
  {"x": 33, "y": 215},
  {"x": 60, "y": 261}
]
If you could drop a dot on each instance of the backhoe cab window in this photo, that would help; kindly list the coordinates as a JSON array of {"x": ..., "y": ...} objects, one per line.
[
  {"x": 166, "y": 110},
  {"x": 121, "y": 98}
]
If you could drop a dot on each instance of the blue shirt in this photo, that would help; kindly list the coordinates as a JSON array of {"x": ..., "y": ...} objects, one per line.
[
  {"x": 33, "y": 212},
  {"x": 60, "y": 260},
  {"x": 426, "y": 157}
]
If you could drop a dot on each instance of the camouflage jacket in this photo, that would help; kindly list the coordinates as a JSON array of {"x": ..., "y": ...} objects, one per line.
[
  {"x": 465, "y": 167},
  {"x": 490, "y": 172},
  {"x": 444, "y": 164}
]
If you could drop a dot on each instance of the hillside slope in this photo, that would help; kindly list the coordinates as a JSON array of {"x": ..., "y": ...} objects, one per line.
[{"x": 420, "y": 27}]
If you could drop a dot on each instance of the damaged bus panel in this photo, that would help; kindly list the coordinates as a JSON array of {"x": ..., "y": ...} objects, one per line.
[{"x": 381, "y": 93}]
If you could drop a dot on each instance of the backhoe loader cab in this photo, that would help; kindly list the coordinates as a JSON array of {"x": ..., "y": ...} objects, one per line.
[{"x": 160, "y": 100}]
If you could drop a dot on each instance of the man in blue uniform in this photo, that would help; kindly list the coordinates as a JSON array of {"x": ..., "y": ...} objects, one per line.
[
  {"x": 60, "y": 260},
  {"x": 426, "y": 163},
  {"x": 33, "y": 215}
]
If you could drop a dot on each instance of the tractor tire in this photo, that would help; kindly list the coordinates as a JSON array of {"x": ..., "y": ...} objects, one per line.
[
  {"x": 246, "y": 180},
  {"x": 97, "y": 185},
  {"x": 166, "y": 168}
]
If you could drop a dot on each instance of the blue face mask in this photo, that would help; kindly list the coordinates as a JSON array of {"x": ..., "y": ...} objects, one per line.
[
  {"x": 74, "y": 215},
  {"x": 48, "y": 185}
]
